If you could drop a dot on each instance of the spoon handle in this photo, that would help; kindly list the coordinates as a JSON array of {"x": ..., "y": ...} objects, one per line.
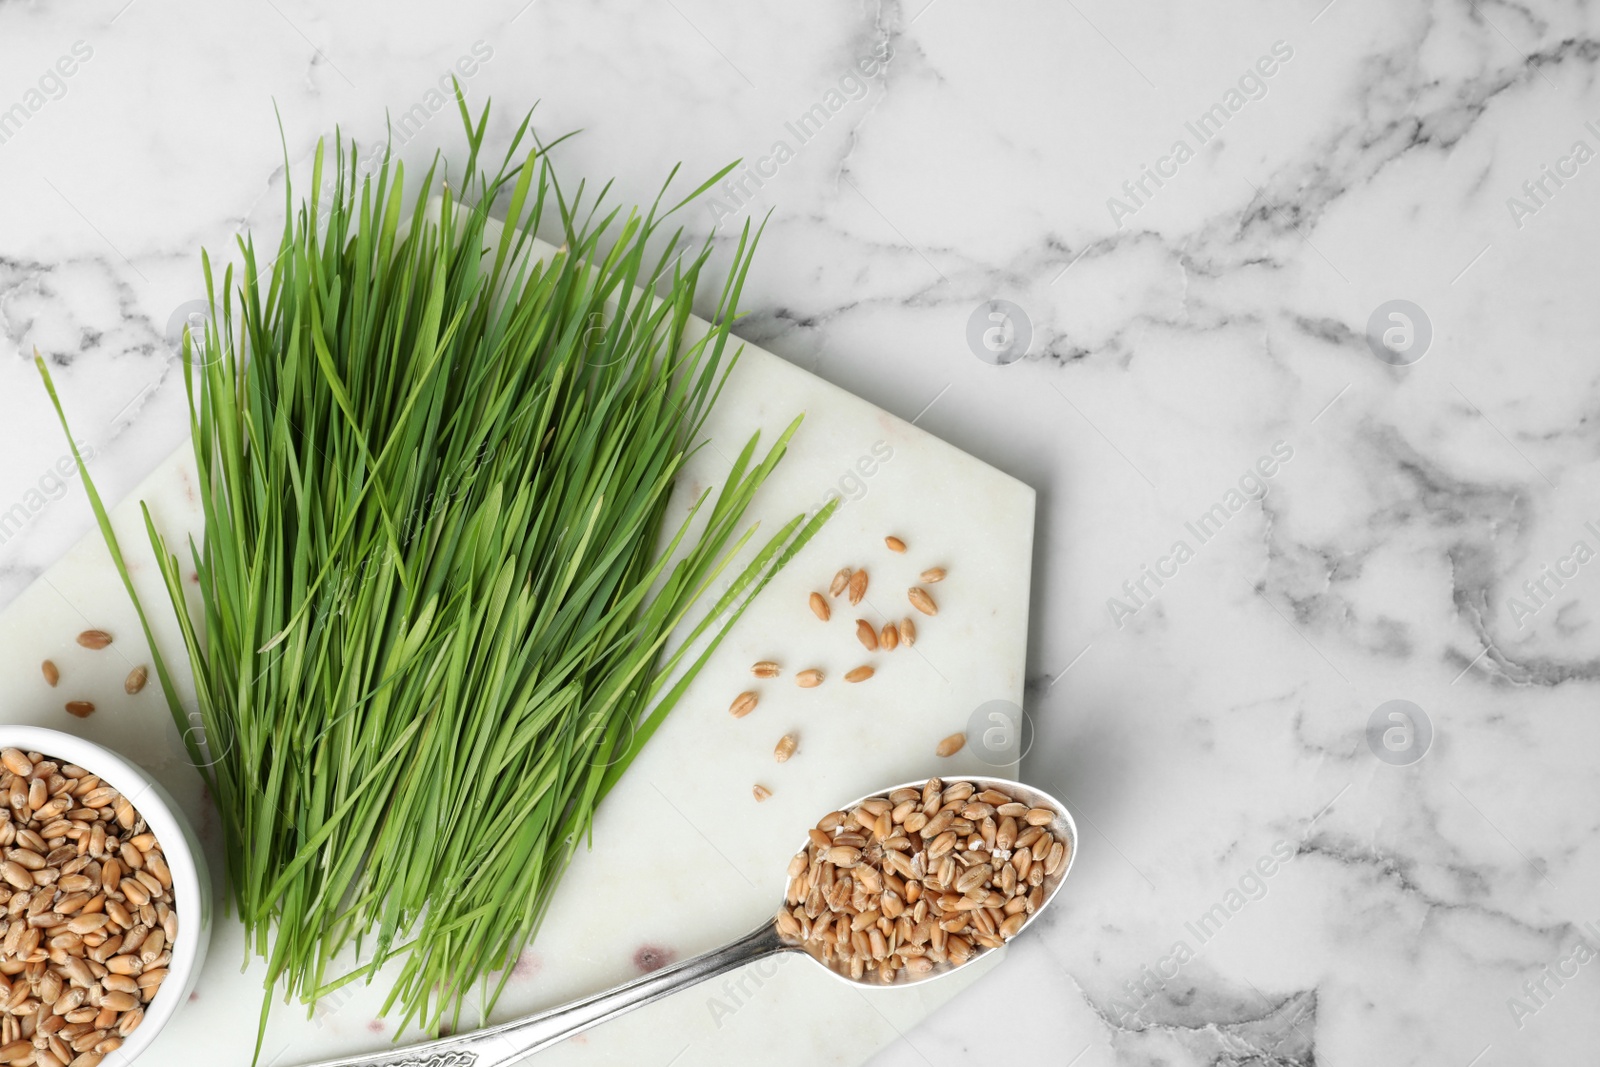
[{"x": 508, "y": 1042}]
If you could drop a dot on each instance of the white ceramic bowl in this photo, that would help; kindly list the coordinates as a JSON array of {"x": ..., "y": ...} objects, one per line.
[{"x": 191, "y": 882}]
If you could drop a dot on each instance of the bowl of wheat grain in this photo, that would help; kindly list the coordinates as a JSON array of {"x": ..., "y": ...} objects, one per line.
[{"x": 105, "y": 903}]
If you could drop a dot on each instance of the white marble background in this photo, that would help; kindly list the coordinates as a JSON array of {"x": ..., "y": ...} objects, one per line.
[{"x": 1175, "y": 340}]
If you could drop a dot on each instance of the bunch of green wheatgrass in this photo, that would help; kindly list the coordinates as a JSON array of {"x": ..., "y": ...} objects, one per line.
[{"x": 436, "y": 576}]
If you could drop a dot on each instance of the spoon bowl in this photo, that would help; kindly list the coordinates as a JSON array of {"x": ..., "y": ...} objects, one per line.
[
  {"x": 507, "y": 1043},
  {"x": 1062, "y": 828}
]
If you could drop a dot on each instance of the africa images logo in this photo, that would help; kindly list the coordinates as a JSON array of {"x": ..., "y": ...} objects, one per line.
[
  {"x": 51, "y": 85},
  {"x": 1206, "y": 127},
  {"x": 1251, "y": 486},
  {"x": 999, "y": 332}
]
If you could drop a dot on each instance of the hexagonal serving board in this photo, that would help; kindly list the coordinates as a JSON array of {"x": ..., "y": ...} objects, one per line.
[{"x": 684, "y": 858}]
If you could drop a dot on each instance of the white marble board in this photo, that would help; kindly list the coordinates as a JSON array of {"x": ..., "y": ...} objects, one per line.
[{"x": 683, "y": 819}]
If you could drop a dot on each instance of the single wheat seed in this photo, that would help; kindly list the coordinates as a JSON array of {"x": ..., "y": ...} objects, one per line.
[
  {"x": 95, "y": 639},
  {"x": 819, "y": 607},
  {"x": 867, "y": 635},
  {"x": 859, "y": 674},
  {"x": 840, "y": 582},
  {"x": 894, "y": 544}
]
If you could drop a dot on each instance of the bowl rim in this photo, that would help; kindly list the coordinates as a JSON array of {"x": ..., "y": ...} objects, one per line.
[{"x": 190, "y": 879}]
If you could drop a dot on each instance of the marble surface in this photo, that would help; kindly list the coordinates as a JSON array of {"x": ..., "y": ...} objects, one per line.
[{"x": 1199, "y": 210}]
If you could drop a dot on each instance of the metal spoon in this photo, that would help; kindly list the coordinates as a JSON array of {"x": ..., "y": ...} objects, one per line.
[{"x": 509, "y": 1042}]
